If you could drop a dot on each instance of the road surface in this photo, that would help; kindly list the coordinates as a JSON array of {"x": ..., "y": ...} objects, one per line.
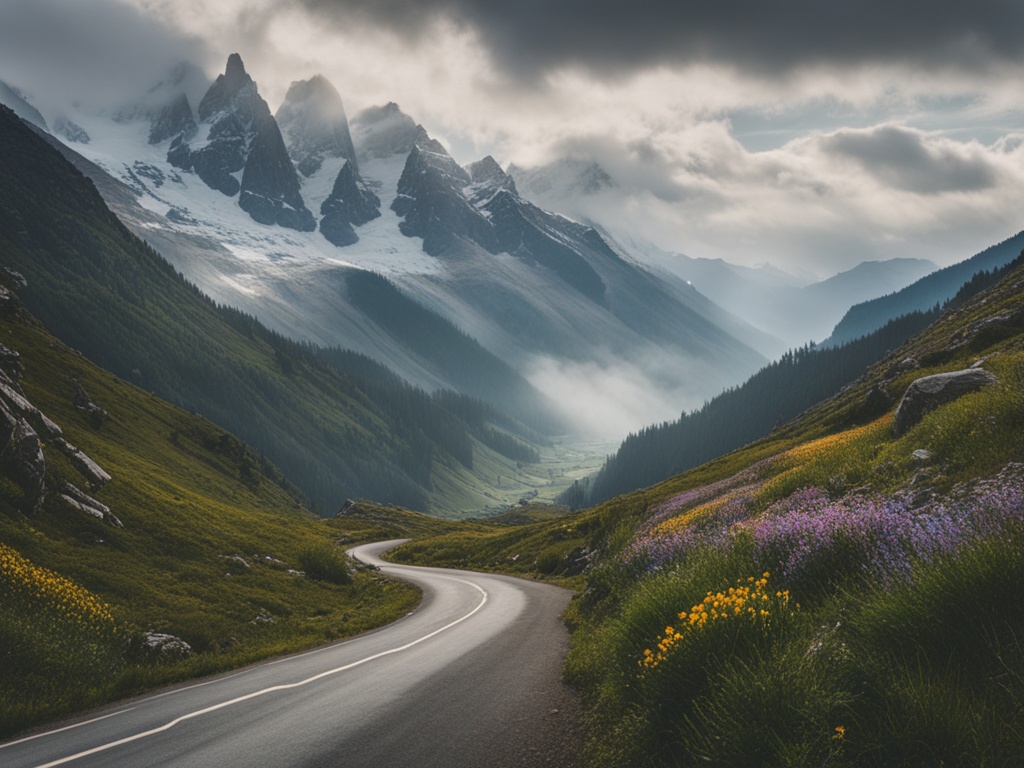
[{"x": 470, "y": 679}]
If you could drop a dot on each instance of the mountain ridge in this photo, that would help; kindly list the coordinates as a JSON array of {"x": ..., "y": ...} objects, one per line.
[
  {"x": 935, "y": 288},
  {"x": 541, "y": 293}
]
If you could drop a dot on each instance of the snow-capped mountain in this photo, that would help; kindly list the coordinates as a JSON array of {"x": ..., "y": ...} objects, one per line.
[
  {"x": 564, "y": 178},
  {"x": 237, "y": 134},
  {"x": 232, "y": 195},
  {"x": 316, "y": 133}
]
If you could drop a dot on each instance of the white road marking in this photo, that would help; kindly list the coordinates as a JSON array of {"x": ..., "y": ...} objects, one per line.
[
  {"x": 272, "y": 689},
  {"x": 65, "y": 728}
]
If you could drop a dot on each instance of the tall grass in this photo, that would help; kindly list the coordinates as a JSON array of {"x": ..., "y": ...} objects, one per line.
[
  {"x": 60, "y": 645},
  {"x": 893, "y": 631}
]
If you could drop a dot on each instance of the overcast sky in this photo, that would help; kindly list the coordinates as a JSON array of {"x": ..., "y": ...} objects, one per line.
[{"x": 812, "y": 134}]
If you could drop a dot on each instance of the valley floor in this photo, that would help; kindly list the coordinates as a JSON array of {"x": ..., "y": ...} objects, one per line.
[{"x": 561, "y": 464}]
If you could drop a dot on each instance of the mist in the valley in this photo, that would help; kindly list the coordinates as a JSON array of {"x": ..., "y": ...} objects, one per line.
[{"x": 607, "y": 401}]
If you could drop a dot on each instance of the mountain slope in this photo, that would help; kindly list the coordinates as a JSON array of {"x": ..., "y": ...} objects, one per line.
[
  {"x": 186, "y": 561},
  {"x": 236, "y": 133},
  {"x": 550, "y": 294},
  {"x": 933, "y": 289},
  {"x": 772, "y": 396},
  {"x": 333, "y": 434},
  {"x": 793, "y": 309}
]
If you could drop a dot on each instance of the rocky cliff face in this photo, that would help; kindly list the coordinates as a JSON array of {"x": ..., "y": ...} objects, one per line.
[
  {"x": 315, "y": 129},
  {"x": 23, "y": 430},
  {"x": 270, "y": 187},
  {"x": 431, "y": 200},
  {"x": 238, "y": 134},
  {"x": 349, "y": 205},
  {"x": 172, "y": 120},
  {"x": 443, "y": 203},
  {"x": 314, "y": 125}
]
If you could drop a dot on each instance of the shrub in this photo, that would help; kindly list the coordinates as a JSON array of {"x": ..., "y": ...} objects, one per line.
[{"x": 322, "y": 562}]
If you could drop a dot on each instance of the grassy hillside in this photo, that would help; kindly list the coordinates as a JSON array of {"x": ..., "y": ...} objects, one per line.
[
  {"x": 337, "y": 429},
  {"x": 830, "y": 595},
  {"x": 209, "y": 550},
  {"x": 772, "y": 396}
]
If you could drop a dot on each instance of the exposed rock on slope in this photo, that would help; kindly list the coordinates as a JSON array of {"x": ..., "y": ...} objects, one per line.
[
  {"x": 926, "y": 394},
  {"x": 23, "y": 429},
  {"x": 174, "y": 119}
]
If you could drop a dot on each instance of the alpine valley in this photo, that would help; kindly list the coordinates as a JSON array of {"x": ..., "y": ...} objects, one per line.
[{"x": 235, "y": 342}]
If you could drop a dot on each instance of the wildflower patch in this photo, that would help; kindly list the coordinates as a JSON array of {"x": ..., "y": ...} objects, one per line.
[{"x": 749, "y": 601}]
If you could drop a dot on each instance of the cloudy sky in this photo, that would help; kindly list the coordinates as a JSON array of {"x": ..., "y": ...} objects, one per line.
[{"x": 811, "y": 134}]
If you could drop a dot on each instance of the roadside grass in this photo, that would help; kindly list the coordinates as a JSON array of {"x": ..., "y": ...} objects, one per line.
[{"x": 214, "y": 550}]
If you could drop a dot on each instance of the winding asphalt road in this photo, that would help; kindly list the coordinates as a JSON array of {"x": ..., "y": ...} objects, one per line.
[{"x": 470, "y": 679}]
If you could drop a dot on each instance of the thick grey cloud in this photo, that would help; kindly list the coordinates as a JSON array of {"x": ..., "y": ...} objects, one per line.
[
  {"x": 900, "y": 158},
  {"x": 530, "y": 36},
  {"x": 101, "y": 51}
]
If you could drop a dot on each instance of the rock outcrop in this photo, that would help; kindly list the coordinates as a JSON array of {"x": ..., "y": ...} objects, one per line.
[
  {"x": 86, "y": 467},
  {"x": 82, "y": 402},
  {"x": 349, "y": 205},
  {"x": 80, "y": 501},
  {"x": 165, "y": 645},
  {"x": 175, "y": 119},
  {"x": 24, "y": 429},
  {"x": 929, "y": 392},
  {"x": 21, "y": 457}
]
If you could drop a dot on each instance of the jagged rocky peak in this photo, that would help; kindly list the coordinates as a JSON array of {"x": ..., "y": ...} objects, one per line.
[
  {"x": 488, "y": 179},
  {"x": 314, "y": 125},
  {"x": 234, "y": 91},
  {"x": 349, "y": 205},
  {"x": 432, "y": 201},
  {"x": 270, "y": 187},
  {"x": 242, "y": 135},
  {"x": 384, "y": 131},
  {"x": 231, "y": 112},
  {"x": 487, "y": 170},
  {"x": 174, "y": 119},
  {"x": 432, "y": 152}
]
